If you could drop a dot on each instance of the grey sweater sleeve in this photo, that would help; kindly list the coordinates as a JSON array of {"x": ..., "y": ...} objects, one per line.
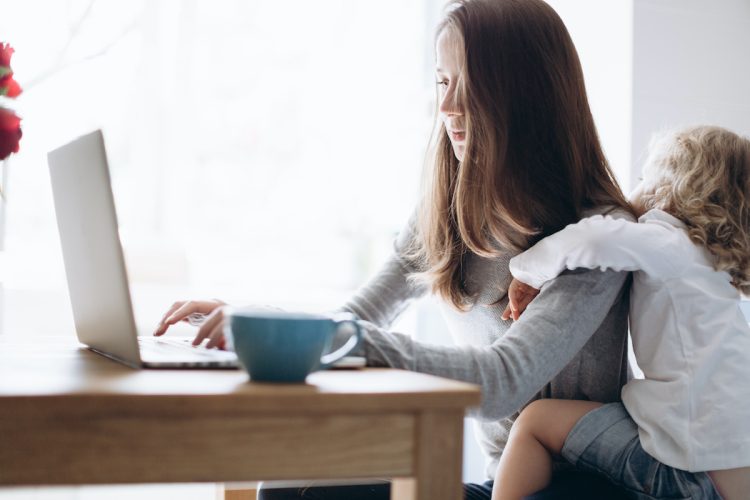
[{"x": 552, "y": 330}]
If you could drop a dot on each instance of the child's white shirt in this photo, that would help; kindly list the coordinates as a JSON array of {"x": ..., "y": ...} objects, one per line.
[{"x": 689, "y": 335}]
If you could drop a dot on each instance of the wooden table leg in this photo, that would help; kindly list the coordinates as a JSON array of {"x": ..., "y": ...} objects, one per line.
[
  {"x": 225, "y": 492},
  {"x": 438, "y": 461}
]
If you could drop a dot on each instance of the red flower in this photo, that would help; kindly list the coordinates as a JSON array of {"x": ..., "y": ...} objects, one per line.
[
  {"x": 9, "y": 87},
  {"x": 6, "y": 51},
  {"x": 10, "y": 123},
  {"x": 10, "y": 132}
]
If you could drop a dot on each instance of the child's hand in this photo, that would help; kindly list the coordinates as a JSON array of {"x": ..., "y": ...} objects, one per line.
[{"x": 520, "y": 296}]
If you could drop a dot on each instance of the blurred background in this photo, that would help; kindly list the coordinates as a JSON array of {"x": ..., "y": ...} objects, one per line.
[{"x": 268, "y": 152}]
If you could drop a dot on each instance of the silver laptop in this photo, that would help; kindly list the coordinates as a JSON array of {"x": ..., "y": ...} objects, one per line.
[{"x": 95, "y": 267}]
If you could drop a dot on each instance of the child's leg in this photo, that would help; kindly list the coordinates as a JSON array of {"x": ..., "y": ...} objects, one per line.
[{"x": 537, "y": 434}]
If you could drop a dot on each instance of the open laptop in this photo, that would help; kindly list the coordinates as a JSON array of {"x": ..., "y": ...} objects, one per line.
[{"x": 95, "y": 267}]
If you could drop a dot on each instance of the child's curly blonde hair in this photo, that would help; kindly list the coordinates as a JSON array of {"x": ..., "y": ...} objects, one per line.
[{"x": 701, "y": 175}]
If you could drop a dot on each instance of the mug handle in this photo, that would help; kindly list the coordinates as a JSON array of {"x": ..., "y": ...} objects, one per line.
[{"x": 330, "y": 358}]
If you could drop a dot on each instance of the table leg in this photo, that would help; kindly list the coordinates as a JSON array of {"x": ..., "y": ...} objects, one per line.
[
  {"x": 438, "y": 461},
  {"x": 224, "y": 492}
]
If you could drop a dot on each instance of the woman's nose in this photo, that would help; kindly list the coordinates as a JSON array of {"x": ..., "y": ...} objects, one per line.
[{"x": 449, "y": 104}]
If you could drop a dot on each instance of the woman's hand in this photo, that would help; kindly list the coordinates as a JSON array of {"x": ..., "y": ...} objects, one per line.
[
  {"x": 212, "y": 327},
  {"x": 520, "y": 296}
]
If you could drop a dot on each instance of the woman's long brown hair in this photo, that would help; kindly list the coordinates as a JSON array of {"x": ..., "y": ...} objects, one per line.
[{"x": 532, "y": 162}]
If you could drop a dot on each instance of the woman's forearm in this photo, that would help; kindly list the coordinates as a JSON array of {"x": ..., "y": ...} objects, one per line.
[{"x": 511, "y": 371}]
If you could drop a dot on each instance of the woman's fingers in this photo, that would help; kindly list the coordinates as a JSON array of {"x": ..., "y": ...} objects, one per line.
[
  {"x": 213, "y": 320},
  {"x": 182, "y": 309},
  {"x": 216, "y": 337},
  {"x": 162, "y": 326}
]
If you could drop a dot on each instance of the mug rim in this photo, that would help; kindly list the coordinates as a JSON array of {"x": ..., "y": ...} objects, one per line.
[{"x": 250, "y": 312}]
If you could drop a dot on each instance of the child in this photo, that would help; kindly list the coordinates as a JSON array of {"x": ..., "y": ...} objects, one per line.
[{"x": 684, "y": 430}]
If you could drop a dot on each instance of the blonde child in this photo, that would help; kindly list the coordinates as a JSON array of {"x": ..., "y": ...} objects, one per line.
[{"x": 684, "y": 430}]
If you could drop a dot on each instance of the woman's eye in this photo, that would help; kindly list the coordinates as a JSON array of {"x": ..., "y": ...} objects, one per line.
[{"x": 442, "y": 82}]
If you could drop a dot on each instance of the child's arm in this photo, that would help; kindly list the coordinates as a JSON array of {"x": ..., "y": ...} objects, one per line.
[
  {"x": 594, "y": 242},
  {"x": 598, "y": 242},
  {"x": 520, "y": 295}
]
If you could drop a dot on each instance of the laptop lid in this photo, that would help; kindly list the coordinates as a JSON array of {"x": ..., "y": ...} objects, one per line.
[{"x": 92, "y": 253}]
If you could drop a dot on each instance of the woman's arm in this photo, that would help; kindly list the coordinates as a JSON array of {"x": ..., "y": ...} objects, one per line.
[
  {"x": 598, "y": 243},
  {"x": 554, "y": 328}
]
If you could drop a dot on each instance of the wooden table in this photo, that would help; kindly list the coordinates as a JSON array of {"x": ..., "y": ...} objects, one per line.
[{"x": 69, "y": 416}]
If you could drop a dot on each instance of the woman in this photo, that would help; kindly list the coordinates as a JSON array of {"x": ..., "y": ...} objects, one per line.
[{"x": 516, "y": 158}]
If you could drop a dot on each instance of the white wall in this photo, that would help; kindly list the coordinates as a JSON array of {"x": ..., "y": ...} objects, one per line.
[
  {"x": 652, "y": 64},
  {"x": 690, "y": 65},
  {"x": 603, "y": 35}
]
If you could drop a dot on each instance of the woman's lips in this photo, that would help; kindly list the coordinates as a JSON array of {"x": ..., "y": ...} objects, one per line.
[{"x": 457, "y": 135}]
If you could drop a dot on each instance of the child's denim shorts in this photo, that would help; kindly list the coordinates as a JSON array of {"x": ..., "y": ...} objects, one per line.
[{"x": 605, "y": 441}]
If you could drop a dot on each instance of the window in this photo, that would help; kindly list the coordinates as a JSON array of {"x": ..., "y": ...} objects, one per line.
[{"x": 259, "y": 151}]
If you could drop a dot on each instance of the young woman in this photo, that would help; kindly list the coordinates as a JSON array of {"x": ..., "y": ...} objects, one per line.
[
  {"x": 516, "y": 158},
  {"x": 684, "y": 430}
]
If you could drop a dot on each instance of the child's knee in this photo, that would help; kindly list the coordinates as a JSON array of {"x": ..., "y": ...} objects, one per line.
[
  {"x": 549, "y": 421},
  {"x": 533, "y": 417},
  {"x": 540, "y": 420}
]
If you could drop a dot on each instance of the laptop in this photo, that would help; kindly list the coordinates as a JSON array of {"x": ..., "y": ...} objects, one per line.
[{"x": 95, "y": 266}]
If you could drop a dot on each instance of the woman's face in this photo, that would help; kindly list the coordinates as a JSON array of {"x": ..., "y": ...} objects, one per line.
[{"x": 449, "y": 62}]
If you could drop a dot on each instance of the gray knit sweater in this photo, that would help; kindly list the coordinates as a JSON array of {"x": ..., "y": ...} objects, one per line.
[{"x": 571, "y": 342}]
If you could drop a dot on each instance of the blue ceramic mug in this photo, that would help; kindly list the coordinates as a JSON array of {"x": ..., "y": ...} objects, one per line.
[{"x": 279, "y": 346}]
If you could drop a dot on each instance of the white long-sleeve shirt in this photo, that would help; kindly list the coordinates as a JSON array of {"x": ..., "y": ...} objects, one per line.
[{"x": 689, "y": 336}]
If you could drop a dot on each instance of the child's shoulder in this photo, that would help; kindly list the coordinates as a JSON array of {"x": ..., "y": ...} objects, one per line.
[
  {"x": 612, "y": 212},
  {"x": 659, "y": 220}
]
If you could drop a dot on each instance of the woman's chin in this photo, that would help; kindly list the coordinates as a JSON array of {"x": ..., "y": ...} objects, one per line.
[{"x": 458, "y": 150}]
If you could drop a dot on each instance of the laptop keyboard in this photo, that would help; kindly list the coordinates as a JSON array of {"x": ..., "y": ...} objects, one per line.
[
  {"x": 180, "y": 343},
  {"x": 179, "y": 349}
]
